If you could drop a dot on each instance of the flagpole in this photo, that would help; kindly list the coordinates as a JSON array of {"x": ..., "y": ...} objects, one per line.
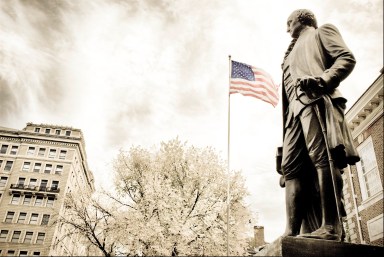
[{"x": 228, "y": 149}]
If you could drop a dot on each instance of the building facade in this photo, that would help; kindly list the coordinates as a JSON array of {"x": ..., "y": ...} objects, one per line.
[
  {"x": 39, "y": 166},
  {"x": 363, "y": 183}
]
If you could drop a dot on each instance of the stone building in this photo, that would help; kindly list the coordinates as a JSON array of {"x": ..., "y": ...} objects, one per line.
[
  {"x": 39, "y": 166},
  {"x": 363, "y": 183}
]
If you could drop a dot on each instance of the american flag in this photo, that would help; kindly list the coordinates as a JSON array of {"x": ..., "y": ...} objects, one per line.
[{"x": 251, "y": 81}]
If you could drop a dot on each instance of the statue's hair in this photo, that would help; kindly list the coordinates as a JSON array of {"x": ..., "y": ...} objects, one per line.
[{"x": 306, "y": 17}]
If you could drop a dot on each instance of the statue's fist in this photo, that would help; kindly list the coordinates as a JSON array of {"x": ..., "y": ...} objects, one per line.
[
  {"x": 311, "y": 86},
  {"x": 307, "y": 82}
]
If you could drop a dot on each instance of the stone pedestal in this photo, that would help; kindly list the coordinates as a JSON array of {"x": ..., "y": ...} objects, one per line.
[{"x": 297, "y": 246}]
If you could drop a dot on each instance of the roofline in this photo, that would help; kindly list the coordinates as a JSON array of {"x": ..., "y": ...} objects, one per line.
[{"x": 362, "y": 95}]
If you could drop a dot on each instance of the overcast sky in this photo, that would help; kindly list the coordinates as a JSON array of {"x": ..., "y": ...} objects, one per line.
[{"x": 139, "y": 72}]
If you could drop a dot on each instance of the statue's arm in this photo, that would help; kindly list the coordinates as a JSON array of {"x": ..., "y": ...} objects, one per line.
[{"x": 339, "y": 59}]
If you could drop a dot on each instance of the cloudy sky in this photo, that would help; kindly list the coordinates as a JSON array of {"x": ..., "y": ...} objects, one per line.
[{"x": 138, "y": 72}]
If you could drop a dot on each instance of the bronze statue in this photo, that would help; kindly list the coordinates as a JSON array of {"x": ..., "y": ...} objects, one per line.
[{"x": 317, "y": 144}]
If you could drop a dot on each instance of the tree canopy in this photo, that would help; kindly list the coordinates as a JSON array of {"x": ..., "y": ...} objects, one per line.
[{"x": 173, "y": 201}]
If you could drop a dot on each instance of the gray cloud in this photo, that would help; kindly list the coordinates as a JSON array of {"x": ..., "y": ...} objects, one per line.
[{"x": 27, "y": 58}]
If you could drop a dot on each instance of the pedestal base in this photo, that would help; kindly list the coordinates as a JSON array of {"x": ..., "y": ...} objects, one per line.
[{"x": 298, "y": 246}]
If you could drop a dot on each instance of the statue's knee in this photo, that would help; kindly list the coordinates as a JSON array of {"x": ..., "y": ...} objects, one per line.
[{"x": 293, "y": 187}]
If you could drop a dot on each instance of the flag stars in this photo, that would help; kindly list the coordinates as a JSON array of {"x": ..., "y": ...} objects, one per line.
[{"x": 242, "y": 71}]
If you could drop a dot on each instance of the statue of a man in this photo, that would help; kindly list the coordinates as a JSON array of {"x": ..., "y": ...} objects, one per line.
[{"x": 317, "y": 144}]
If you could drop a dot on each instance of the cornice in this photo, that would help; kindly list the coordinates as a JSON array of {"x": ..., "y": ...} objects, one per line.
[
  {"x": 37, "y": 141},
  {"x": 367, "y": 109}
]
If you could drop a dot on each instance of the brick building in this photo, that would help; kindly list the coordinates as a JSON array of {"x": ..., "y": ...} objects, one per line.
[
  {"x": 39, "y": 165},
  {"x": 363, "y": 183}
]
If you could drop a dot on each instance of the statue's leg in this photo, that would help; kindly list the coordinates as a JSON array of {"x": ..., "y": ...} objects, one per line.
[
  {"x": 293, "y": 154},
  {"x": 330, "y": 228},
  {"x": 294, "y": 206},
  {"x": 317, "y": 150},
  {"x": 328, "y": 205}
]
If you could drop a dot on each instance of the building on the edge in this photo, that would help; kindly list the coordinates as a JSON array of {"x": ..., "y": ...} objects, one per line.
[
  {"x": 256, "y": 242},
  {"x": 363, "y": 183},
  {"x": 39, "y": 166}
]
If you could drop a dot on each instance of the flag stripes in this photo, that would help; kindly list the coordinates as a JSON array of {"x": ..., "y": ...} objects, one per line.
[{"x": 251, "y": 81}]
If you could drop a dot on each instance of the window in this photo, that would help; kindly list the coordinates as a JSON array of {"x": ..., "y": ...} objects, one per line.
[
  {"x": 32, "y": 182},
  {"x": 27, "y": 199},
  {"x": 9, "y": 216},
  {"x": 62, "y": 154},
  {"x": 15, "y": 199},
  {"x": 48, "y": 168},
  {"x": 57, "y": 132},
  {"x": 8, "y": 165},
  {"x": 31, "y": 150},
  {"x": 375, "y": 228},
  {"x": 1, "y": 163},
  {"x": 22, "y": 217},
  {"x": 14, "y": 149},
  {"x": 43, "y": 184},
  {"x": 50, "y": 201},
  {"x": 21, "y": 181},
  {"x": 37, "y": 167},
  {"x": 52, "y": 153},
  {"x": 41, "y": 152},
  {"x": 11, "y": 252},
  {"x": 34, "y": 218},
  {"x": 26, "y": 166},
  {"x": 40, "y": 238},
  {"x": 369, "y": 177},
  {"x": 28, "y": 237},
  {"x": 68, "y": 133},
  {"x": 3, "y": 181},
  {"x": 55, "y": 185},
  {"x": 3, "y": 235},
  {"x": 47, "y": 131},
  {"x": 59, "y": 169},
  {"x": 4, "y": 149},
  {"x": 23, "y": 253},
  {"x": 45, "y": 219},
  {"x": 16, "y": 236},
  {"x": 37, "y": 130},
  {"x": 39, "y": 200},
  {"x": 36, "y": 253}
]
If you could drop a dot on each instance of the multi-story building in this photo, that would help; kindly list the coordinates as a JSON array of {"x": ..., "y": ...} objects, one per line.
[
  {"x": 39, "y": 166},
  {"x": 363, "y": 183}
]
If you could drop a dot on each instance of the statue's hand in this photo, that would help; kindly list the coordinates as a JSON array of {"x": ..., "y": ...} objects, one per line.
[{"x": 312, "y": 86}]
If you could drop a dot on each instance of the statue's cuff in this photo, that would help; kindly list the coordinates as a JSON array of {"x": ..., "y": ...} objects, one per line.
[{"x": 329, "y": 81}]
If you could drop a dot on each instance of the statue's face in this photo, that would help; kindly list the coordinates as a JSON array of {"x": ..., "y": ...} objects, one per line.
[{"x": 294, "y": 26}]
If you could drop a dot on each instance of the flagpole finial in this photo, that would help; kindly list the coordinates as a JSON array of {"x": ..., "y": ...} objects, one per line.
[{"x": 229, "y": 56}]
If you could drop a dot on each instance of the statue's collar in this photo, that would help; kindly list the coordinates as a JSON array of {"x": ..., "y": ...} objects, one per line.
[{"x": 306, "y": 30}]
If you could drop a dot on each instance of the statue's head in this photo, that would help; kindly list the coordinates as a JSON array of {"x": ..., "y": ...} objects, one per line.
[
  {"x": 306, "y": 17},
  {"x": 300, "y": 19}
]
